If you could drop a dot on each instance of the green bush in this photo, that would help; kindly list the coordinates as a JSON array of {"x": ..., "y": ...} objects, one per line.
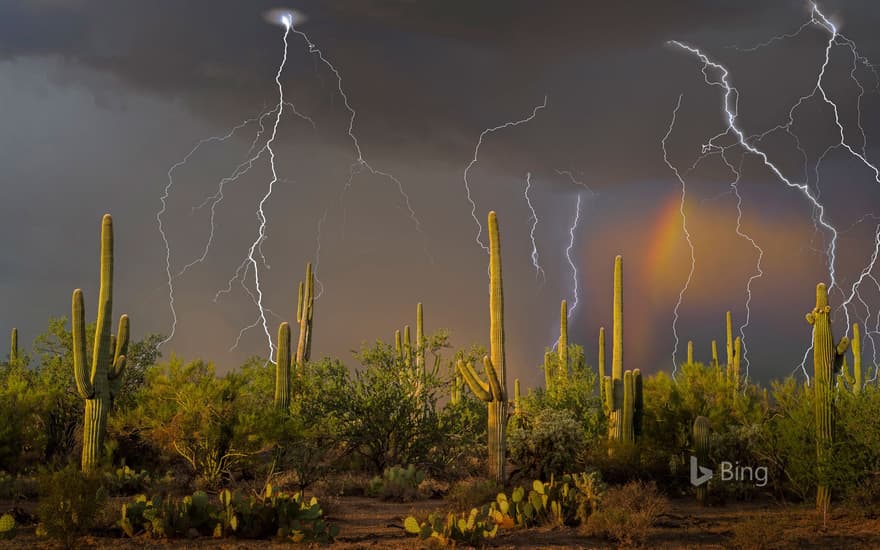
[
  {"x": 69, "y": 502},
  {"x": 544, "y": 443}
]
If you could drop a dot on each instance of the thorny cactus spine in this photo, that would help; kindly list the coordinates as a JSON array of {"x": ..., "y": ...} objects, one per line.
[
  {"x": 494, "y": 390},
  {"x": 282, "y": 368},
  {"x": 98, "y": 379},
  {"x": 826, "y": 360},
  {"x": 701, "y": 451}
]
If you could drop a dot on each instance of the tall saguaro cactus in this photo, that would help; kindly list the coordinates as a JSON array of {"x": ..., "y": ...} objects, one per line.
[
  {"x": 827, "y": 358},
  {"x": 282, "y": 368},
  {"x": 602, "y": 396},
  {"x": 729, "y": 319},
  {"x": 13, "y": 346},
  {"x": 563, "y": 340},
  {"x": 701, "y": 450},
  {"x": 615, "y": 397},
  {"x": 98, "y": 379},
  {"x": 690, "y": 352},
  {"x": 304, "y": 314},
  {"x": 494, "y": 390},
  {"x": 858, "y": 379}
]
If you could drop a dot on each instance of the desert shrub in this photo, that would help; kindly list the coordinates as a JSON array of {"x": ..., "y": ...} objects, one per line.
[
  {"x": 759, "y": 532},
  {"x": 397, "y": 483},
  {"x": 576, "y": 393},
  {"x": 472, "y": 492},
  {"x": 387, "y": 409},
  {"x": 69, "y": 502},
  {"x": 626, "y": 513},
  {"x": 545, "y": 442}
]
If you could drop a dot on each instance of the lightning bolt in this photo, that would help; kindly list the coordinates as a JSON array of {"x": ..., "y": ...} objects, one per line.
[
  {"x": 474, "y": 160},
  {"x": 686, "y": 234},
  {"x": 539, "y": 271},
  {"x": 261, "y": 215},
  {"x": 571, "y": 231},
  {"x": 571, "y": 264},
  {"x": 318, "y": 256},
  {"x": 730, "y": 108}
]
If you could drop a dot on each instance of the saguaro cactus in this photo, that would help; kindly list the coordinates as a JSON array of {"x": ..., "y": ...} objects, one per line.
[
  {"x": 282, "y": 368},
  {"x": 398, "y": 345},
  {"x": 615, "y": 396},
  {"x": 714, "y": 353},
  {"x": 304, "y": 316},
  {"x": 737, "y": 361},
  {"x": 826, "y": 360},
  {"x": 858, "y": 380},
  {"x": 690, "y": 352},
  {"x": 13, "y": 346},
  {"x": 701, "y": 450},
  {"x": 602, "y": 395},
  {"x": 494, "y": 390},
  {"x": 729, "y": 319},
  {"x": 628, "y": 405},
  {"x": 98, "y": 380},
  {"x": 420, "y": 339},
  {"x": 563, "y": 340},
  {"x": 638, "y": 405}
]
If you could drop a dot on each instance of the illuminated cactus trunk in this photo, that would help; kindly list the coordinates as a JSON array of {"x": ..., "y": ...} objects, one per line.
[
  {"x": 826, "y": 360},
  {"x": 398, "y": 346},
  {"x": 701, "y": 450},
  {"x": 729, "y": 320},
  {"x": 714, "y": 353},
  {"x": 602, "y": 394},
  {"x": 282, "y": 368},
  {"x": 13, "y": 346},
  {"x": 858, "y": 381},
  {"x": 420, "y": 339},
  {"x": 627, "y": 411},
  {"x": 737, "y": 362},
  {"x": 517, "y": 402},
  {"x": 494, "y": 390},
  {"x": 548, "y": 371},
  {"x": 690, "y": 352},
  {"x": 304, "y": 314},
  {"x": 615, "y": 396},
  {"x": 407, "y": 347},
  {"x": 98, "y": 380},
  {"x": 563, "y": 340}
]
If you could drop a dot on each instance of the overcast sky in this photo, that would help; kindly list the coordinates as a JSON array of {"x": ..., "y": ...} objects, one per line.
[{"x": 101, "y": 98}]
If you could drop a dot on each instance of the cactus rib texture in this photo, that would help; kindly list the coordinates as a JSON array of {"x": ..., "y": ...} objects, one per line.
[
  {"x": 493, "y": 391},
  {"x": 827, "y": 358},
  {"x": 98, "y": 379}
]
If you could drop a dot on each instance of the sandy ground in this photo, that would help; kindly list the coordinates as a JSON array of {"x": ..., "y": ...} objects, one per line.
[{"x": 372, "y": 524}]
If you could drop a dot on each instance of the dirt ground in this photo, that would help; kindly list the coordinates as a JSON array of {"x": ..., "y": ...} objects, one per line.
[{"x": 372, "y": 524}]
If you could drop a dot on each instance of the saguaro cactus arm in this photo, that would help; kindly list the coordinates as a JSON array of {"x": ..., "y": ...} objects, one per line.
[
  {"x": 499, "y": 393},
  {"x": 479, "y": 388},
  {"x": 81, "y": 370},
  {"x": 120, "y": 349}
]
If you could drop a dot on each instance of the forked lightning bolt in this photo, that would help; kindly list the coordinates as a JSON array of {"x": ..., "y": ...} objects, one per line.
[
  {"x": 686, "y": 234},
  {"x": 539, "y": 271},
  {"x": 474, "y": 160},
  {"x": 261, "y": 215},
  {"x": 721, "y": 79}
]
